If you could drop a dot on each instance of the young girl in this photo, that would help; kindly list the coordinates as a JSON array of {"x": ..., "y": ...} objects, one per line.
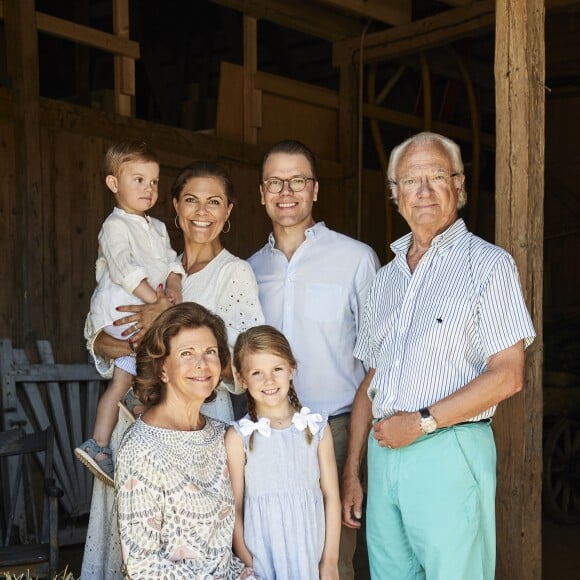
[
  {"x": 134, "y": 258},
  {"x": 282, "y": 468}
]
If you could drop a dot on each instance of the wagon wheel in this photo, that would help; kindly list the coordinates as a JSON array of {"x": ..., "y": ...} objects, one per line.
[{"x": 562, "y": 472}]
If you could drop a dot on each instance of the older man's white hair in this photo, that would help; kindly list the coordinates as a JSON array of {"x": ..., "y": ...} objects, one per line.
[{"x": 425, "y": 138}]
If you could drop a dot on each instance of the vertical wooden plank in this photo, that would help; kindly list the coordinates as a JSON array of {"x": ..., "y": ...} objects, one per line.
[
  {"x": 520, "y": 76},
  {"x": 22, "y": 58},
  {"x": 251, "y": 100},
  {"x": 84, "y": 175},
  {"x": 348, "y": 142},
  {"x": 250, "y": 224},
  {"x": 10, "y": 262},
  {"x": 124, "y": 66},
  {"x": 74, "y": 176},
  {"x": 230, "y": 105},
  {"x": 82, "y": 68}
]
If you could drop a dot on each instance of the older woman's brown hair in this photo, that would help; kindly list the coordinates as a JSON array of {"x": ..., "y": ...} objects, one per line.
[{"x": 156, "y": 345}]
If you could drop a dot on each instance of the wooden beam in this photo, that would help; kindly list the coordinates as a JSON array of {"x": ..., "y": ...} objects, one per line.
[
  {"x": 252, "y": 104},
  {"x": 467, "y": 20},
  {"x": 302, "y": 15},
  {"x": 520, "y": 114},
  {"x": 475, "y": 19},
  {"x": 277, "y": 85},
  {"x": 442, "y": 65},
  {"x": 22, "y": 62},
  {"x": 393, "y": 12},
  {"x": 348, "y": 142},
  {"x": 415, "y": 122},
  {"x": 83, "y": 34},
  {"x": 124, "y": 66}
]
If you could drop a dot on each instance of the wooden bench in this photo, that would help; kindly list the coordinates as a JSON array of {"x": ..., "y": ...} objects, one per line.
[
  {"x": 64, "y": 396},
  {"x": 35, "y": 550}
]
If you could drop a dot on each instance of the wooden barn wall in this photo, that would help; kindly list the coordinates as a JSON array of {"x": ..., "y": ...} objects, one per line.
[
  {"x": 562, "y": 213},
  {"x": 285, "y": 109},
  {"x": 75, "y": 203},
  {"x": 8, "y": 257}
]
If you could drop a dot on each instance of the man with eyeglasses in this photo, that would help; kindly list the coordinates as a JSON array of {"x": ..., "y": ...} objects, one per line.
[
  {"x": 313, "y": 284},
  {"x": 443, "y": 334}
]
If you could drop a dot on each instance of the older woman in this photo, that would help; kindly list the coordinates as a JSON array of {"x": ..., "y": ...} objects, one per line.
[
  {"x": 175, "y": 500},
  {"x": 203, "y": 199}
]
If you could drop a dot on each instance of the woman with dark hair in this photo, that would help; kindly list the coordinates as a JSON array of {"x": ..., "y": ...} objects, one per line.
[
  {"x": 174, "y": 496},
  {"x": 203, "y": 198}
]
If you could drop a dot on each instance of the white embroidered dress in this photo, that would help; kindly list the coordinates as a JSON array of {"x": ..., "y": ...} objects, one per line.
[{"x": 226, "y": 286}]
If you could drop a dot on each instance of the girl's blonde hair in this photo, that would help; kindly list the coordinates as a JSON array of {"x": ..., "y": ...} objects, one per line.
[{"x": 265, "y": 339}]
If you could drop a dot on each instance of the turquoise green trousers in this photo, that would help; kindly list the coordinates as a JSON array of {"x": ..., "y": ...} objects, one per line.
[{"x": 431, "y": 506}]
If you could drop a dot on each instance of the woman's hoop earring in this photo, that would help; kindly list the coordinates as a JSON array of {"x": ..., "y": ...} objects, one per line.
[
  {"x": 176, "y": 222},
  {"x": 227, "y": 223}
]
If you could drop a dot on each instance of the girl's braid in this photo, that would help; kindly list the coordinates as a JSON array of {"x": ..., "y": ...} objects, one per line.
[
  {"x": 253, "y": 417},
  {"x": 295, "y": 402}
]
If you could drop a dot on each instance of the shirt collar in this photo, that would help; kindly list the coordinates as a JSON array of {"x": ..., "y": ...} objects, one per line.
[
  {"x": 132, "y": 216},
  {"x": 311, "y": 233},
  {"x": 443, "y": 241}
]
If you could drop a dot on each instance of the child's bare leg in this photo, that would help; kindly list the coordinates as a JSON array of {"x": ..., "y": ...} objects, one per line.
[
  {"x": 96, "y": 453},
  {"x": 107, "y": 409}
]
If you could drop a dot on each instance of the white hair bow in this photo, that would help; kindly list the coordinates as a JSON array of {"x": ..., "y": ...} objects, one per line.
[
  {"x": 307, "y": 419},
  {"x": 262, "y": 426}
]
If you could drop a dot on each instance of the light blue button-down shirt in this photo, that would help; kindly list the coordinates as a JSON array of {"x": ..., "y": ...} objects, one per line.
[
  {"x": 317, "y": 300},
  {"x": 430, "y": 332}
]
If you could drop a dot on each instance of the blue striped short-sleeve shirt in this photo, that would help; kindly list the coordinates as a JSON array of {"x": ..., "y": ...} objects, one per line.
[{"x": 429, "y": 333}]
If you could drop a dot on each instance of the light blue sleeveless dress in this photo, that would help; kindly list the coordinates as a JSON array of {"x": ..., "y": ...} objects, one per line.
[{"x": 283, "y": 504}]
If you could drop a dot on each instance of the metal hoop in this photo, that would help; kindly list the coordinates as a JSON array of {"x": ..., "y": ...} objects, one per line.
[
  {"x": 227, "y": 223},
  {"x": 176, "y": 222}
]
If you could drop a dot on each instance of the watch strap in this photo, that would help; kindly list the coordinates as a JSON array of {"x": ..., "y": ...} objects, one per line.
[{"x": 425, "y": 413}]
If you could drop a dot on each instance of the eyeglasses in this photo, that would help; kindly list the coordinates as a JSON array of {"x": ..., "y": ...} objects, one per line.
[
  {"x": 296, "y": 183},
  {"x": 412, "y": 183}
]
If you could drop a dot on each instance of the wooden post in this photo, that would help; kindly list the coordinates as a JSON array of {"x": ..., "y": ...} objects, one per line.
[
  {"x": 348, "y": 139},
  {"x": 520, "y": 75},
  {"x": 124, "y": 65},
  {"x": 22, "y": 60},
  {"x": 252, "y": 103}
]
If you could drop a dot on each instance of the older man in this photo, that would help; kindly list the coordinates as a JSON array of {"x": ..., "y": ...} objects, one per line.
[
  {"x": 444, "y": 333},
  {"x": 313, "y": 285}
]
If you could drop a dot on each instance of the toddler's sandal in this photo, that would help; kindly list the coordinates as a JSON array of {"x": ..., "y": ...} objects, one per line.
[
  {"x": 102, "y": 469},
  {"x": 128, "y": 405}
]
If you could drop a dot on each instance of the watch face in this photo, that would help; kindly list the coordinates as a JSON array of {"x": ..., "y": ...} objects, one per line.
[{"x": 428, "y": 424}]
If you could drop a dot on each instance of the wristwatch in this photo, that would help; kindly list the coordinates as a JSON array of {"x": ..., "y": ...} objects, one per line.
[{"x": 427, "y": 421}]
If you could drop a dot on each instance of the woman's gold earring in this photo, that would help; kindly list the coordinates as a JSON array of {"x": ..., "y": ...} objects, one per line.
[
  {"x": 176, "y": 222},
  {"x": 227, "y": 223}
]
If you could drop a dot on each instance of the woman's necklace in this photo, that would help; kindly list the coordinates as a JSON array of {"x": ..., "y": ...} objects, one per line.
[
  {"x": 201, "y": 256},
  {"x": 195, "y": 267}
]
